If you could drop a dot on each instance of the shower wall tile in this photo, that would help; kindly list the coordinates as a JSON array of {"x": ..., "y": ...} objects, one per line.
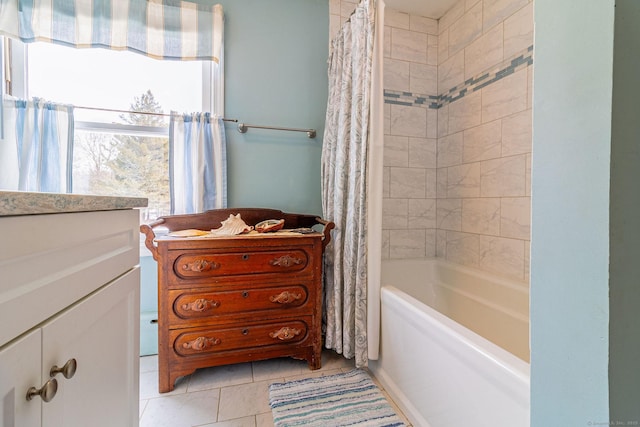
[
  {"x": 430, "y": 242},
  {"x": 423, "y": 25},
  {"x": 431, "y": 191},
  {"x": 481, "y": 216},
  {"x": 432, "y": 50},
  {"x": 395, "y": 213},
  {"x": 483, "y": 142},
  {"x": 484, "y": 53},
  {"x": 387, "y": 118},
  {"x": 505, "y": 97},
  {"x": 451, "y": 72},
  {"x": 396, "y": 75},
  {"x": 504, "y": 177},
  {"x": 463, "y": 180},
  {"x": 408, "y": 45},
  {"x": 463, "y": 248},
  {"x": 527, "y": 260},
  {"x": 449, "y": 214},
  {"x": 408, "y": 121},
  {"x": 450, "y": 150},
  {"x": 385, "y": 244},
  {"x": 465, "y": 113},
  {"x": 443, "y": 121},
  {"x": 441, "y": 243},
  {"x": 335, "y": 22},
  {"x": 443, "y": 47},
  {"x": 441, "y": 184},
  {"x": 468, "y": 4},
  {"x": 423, "y": 78},
  {"x": 528, "y": 176},
  {"x": 515, "y": 217},
  {"x": 529, "y": 87},
  {"x": 408, "y": 183},
  {"x": 518, "y": 30},
  {"x": 396, "y": 151},
  {"x": 407, "y": 243},
  {"x": 397, "y": 19},
  {"x": 465, "y": 30},
  {"x": 452, "y": 15},
  {"x": 502, "y": 256},
  {"x": 432, "y": 123},
  {"x": 347, "y": 8},
  {"x": 387, "y": 42},
  {"x": 421, "y": 213},
  {"x": 386, "y": 174},
  {"x": 496, "y": 11},
  {"x": 334, "y": 7},
  {"x": 422, "y": 152},
  {"x": 516, "y": 134}
]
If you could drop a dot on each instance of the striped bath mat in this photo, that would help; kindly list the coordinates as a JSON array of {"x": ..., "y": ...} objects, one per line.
[{"x": 349, "y": 399}]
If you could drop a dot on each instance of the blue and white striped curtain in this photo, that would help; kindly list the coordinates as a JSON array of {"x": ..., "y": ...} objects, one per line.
[
  {"x": 197, "y": 163},
  {"x": 37, "y": 150},
  {"x": 162, "y": 29}
]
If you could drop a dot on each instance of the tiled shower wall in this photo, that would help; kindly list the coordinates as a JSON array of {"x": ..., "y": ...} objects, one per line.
[
  {"x": 458, "y": 133},
  {"x": 484, "y": 135}
]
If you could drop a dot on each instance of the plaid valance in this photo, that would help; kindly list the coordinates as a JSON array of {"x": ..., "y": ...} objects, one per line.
[{"x": 162, "y": 29}]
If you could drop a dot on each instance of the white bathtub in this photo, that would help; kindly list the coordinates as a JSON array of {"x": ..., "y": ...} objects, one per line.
[{"x": 454, "y": 345}]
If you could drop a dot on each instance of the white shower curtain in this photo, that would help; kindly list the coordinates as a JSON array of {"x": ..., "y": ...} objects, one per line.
[{"x": 352, "y": 186}]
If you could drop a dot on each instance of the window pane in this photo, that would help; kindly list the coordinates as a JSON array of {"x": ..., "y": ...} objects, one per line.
[
  {"x": 111, "y": 79},
  {"x": 123, "y": 165}
]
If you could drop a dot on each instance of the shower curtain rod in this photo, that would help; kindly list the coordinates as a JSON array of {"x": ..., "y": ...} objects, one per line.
[{"x": 242, "y": 127}]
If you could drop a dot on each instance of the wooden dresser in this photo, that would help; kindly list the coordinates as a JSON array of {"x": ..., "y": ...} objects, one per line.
[{"x": 224, "y": 300}]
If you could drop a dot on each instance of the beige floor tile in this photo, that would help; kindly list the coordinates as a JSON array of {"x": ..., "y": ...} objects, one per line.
[
  {"x": 278, "y": 368},
  {"x": 332, "y": 360},
  {"x": 239, "y": 422},
  {"x": 149, "y": 385},
  {"x": 264, "y": 420},
  {"x": 313, "y": 374},
  {"x": 243, "y": 400},
  {"x": 220, "y": 376},
  {"x": 182, "y": 410}
]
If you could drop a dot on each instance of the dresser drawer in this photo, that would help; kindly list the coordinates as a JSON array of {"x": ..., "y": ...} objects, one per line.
[
  {"x": 215, "y": 340},
  {"x": 197, "y": 304},
  {"x": 190, "y": 265}
]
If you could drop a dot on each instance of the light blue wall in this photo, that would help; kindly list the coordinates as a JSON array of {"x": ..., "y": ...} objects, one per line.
[
  {"x": 276, "y": 74},
  {"x": 570, "y": 212}
]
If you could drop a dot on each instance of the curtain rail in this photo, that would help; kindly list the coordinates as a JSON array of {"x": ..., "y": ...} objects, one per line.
[{"x": 242, "y": 127}]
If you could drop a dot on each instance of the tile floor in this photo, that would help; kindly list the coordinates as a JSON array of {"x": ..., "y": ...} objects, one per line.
[{"x": 225, "y": 396}]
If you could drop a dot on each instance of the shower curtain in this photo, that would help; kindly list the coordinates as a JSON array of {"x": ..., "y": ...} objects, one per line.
[{"x": 352, "y": 185}]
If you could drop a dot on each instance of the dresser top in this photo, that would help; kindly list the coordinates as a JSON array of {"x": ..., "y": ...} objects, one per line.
[{"x": 27, "y": 203}]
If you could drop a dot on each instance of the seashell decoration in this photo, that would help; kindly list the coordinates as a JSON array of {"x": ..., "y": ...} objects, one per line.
[
  {"x": 232, "y": 226},
  {"x": 269, "y": 225}
]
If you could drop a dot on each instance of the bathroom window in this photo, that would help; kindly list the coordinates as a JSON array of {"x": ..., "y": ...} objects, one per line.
[{"x": 122, "y": 152}]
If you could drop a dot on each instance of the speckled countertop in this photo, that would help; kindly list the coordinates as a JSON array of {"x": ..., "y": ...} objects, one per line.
[{"x": 25, "y": 203}]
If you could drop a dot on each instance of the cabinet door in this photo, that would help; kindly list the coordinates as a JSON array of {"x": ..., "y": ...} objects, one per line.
[
  {"x": 102, "y": 334},
  {"x": 20, "y": 370}
]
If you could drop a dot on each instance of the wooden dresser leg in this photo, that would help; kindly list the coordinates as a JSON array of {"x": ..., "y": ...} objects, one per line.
[{"x": 164, "y": 378}]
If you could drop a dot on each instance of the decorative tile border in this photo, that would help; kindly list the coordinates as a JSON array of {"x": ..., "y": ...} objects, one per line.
[{"x": 506, "y": 68}]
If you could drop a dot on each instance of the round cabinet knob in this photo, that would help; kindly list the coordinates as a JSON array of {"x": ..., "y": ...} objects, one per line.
[
  {"x": 68, "y": 370},
  {"x": 46, "y": 392}
]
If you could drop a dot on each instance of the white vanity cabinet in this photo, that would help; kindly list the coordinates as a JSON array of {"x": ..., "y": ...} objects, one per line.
[{"x": 70, "y": 289}]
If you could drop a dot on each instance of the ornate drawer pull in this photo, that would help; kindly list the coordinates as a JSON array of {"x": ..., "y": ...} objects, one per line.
[
  {"x": 286, "y": 261},
  {"x": 285, "y": 297},
  {"x": 285, "y": 333},
  {"x": 200, "y": 265},
  {"x": 201, "y": 305},
  {"x": 201, "y": 343}
]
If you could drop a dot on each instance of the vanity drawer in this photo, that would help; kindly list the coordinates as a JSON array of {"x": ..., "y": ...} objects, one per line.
[
  {"x": 215, "y": 340},
  {"x": 198, "y": 304},
  {"x": 202, "y": 265}
]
